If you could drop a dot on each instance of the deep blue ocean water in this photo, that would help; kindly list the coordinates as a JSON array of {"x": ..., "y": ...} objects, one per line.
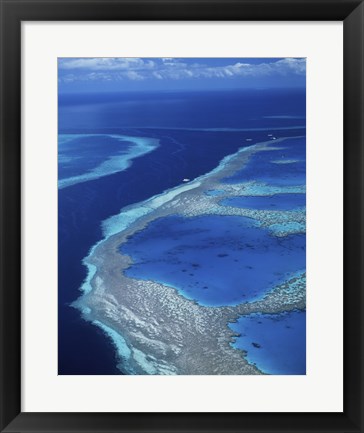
[
  {"x": 220, "y": 109},
  {"x": 182, "y": 153},
  {"x": 276, "y": 343}
]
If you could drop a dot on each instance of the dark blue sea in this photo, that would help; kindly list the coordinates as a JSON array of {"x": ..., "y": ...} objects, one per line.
[{"x": 119, "y": 149}]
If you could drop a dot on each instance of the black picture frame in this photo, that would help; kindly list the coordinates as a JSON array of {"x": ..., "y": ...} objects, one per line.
[{"x": 13, "y": 12}]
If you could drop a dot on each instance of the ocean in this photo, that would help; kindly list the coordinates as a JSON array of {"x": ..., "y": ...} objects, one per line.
[{"x": 116, "y": 150}]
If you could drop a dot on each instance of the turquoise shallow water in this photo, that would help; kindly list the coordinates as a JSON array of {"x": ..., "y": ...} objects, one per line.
[
  {"x": 215, "y": 260},
  {"x": 276, "y": 343},
  {"x": 214, "y": 192},
  {"x": 88, "y": 157}
]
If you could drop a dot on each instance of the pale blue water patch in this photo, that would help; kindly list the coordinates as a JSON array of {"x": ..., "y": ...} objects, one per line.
[
  {"x": 65, "y": 138},
  {"x": 288, "y": 227},
  {"x": 275, "y": 343},
  {"x": 119, "y": 222},
  {"x": 81, "y": 153},
  {"x": 215, "y": 260},
  {"x": 273, "y": 202},
  {"x": 262, "y": 189},
  {"x": 92, "y": 269},
  {"x": 85, "y": 157},
  {"x": 285, "y": 161},
  {"x": 214, "y": 192}
]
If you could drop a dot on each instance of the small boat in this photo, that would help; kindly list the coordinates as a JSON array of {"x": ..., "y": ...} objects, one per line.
[{"x": 186, "y": 180}]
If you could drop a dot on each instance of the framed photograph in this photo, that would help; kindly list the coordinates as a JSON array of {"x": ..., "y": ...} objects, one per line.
[{"x": 181, "y": 216}]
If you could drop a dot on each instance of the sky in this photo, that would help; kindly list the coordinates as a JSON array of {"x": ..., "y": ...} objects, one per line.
[{"x": 119, "y": 74}]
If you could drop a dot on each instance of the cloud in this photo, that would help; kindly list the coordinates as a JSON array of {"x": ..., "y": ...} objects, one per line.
[
  {"x": 280, "y": 67},
  {"x": 107, "y": 69},
  {"x": 106, "y": 63},
  {"x": 132, "y": 75}
]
